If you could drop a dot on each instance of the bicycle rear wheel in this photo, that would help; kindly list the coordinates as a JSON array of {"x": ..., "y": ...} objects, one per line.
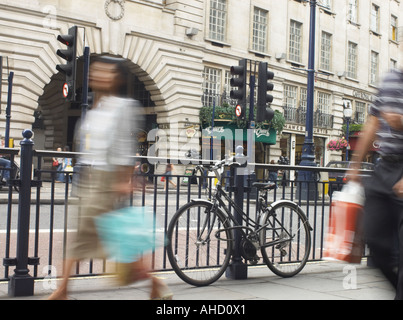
[
  {"x": 196, "y": 254},
  {"x": 286, "y": 239}
]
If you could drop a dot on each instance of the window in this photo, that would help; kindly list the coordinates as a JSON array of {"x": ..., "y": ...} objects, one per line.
[
  {"x": 295, "y": 107},
  {"x": 259, "y": 30},
  {"x": 360, "y": 112},
  {"x": 353, "y": 11},
  {"x": 290, "y": 99},
  {"x": 374, "y": 68},
  {"x": 325, "y": 52},
  {"x": 323, "y": 103},
  {"x": 323, "y": 117},
  {"x": 295, "y": 41},
  {"x": 211, "y": 85},
  {"x": 352, "y": 61},
  {"x": 327, "y": 4},
  {"x": 375, "y": 18},
  {"x": 218, "y": 19},
  {"x": 393, "y": 28},
  {"x": 302, "y": 106}
]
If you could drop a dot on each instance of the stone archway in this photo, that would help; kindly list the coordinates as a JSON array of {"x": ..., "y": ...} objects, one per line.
[
  {"x": 59, "y": 117},
  {"x": 170, "y": 71}
]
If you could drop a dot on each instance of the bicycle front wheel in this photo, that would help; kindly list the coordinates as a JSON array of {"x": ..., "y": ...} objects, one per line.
[
  {"x": 199, "y": 255},
  {"x": 286, "y": 239}
]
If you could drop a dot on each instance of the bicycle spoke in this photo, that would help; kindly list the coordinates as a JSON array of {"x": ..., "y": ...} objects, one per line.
[
  {"x": 195, "y": 253},
  {"x": 286, "y": 240}
]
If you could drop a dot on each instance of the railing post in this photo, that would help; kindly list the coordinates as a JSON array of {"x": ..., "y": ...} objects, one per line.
[
  {"x": 21, "y": 283},
  {"x": 238, "y": 270}
]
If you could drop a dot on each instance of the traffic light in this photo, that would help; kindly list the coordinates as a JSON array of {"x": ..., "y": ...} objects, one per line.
[
  {"x": 69, "y": 69},
  {"x": 238, "y": 80},
  {"x": 263, "y": 98}
]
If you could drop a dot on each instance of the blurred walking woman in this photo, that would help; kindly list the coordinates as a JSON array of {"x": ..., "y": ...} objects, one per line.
[{"x": 106, "y": 141}]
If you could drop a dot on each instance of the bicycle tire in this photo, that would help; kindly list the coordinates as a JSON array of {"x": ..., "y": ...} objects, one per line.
[
  {"x": 196, "y": 260},
  {"x": 289, "y": 229}
]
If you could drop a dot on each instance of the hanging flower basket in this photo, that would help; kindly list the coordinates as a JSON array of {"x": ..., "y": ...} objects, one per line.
[{"x": 337, "y": 145}]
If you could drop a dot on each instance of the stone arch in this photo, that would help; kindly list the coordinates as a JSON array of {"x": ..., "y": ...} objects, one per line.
[{"x": 170, "y": 72}]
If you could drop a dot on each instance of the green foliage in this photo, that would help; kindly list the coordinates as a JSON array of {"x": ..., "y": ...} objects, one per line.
[
  {"x": 352, "y": 128},
  {"x": 227, "y": 112}
]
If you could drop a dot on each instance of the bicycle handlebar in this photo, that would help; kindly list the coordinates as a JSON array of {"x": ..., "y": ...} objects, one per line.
[{"x": 220, "y": 163}]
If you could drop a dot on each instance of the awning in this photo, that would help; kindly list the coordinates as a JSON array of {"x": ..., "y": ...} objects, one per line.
[{"x": 353, "y": 139}]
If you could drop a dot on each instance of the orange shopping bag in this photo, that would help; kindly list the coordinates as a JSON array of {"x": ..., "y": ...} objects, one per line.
[{"x": 344, "y": 240}]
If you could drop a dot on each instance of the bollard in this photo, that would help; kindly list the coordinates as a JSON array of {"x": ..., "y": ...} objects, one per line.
[
  {"x": 21, "y": 283},
  {"x": 237, "y": 269}
]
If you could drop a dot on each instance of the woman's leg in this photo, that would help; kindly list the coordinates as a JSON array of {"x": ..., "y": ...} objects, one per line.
[{"x": 61, "y": 291}]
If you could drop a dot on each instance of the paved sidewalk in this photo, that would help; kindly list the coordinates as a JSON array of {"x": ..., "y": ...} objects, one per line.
[{"x": 318, "y": 281}]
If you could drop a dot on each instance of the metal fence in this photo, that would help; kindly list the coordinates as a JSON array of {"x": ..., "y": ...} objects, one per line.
[{"x": 47, "y": 211}]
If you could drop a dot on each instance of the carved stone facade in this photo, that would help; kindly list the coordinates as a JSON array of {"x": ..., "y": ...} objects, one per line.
[{"x": 170, "y": 45}]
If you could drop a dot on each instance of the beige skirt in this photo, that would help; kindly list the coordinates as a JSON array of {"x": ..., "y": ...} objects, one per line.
[{"x": 97, "y": 197}]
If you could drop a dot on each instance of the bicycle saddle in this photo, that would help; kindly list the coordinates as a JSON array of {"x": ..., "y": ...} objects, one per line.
[{"x": 264, "y": 185}]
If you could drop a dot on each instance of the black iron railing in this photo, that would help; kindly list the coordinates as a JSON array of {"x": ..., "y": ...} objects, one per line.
[{"x": 38, "y": 221}]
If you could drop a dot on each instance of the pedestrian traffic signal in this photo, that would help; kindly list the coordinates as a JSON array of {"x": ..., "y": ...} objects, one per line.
[
  {"x": 263, "y": 98},
  {"x": 238, "y": 80},
  {"x": 69, "y": 69}
]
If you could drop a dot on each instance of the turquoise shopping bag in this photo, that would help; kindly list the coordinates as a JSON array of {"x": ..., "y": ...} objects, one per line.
[{"x": 127, "y": 233}]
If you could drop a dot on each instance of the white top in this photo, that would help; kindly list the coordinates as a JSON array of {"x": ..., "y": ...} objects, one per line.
[{"x": 107, "y": 135}]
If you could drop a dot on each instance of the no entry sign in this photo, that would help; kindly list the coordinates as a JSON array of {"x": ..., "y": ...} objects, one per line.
[
  {"x": 65, "y": 90},
  {"x": 238, "y": 111}
]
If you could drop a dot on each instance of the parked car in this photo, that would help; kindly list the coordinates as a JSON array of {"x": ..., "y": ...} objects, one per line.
[{"x": 338, "y": 179}]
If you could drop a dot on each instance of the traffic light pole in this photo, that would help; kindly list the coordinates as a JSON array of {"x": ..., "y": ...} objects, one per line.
[
  {"x": 307, "y": 178},
  {"x": 8, "y": 109},
  {"x": 86, "y": 71}
]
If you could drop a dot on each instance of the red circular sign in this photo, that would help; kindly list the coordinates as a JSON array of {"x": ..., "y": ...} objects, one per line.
[
  {"x": 65, "y": 90},
  {"x": 238, "y": 110}
]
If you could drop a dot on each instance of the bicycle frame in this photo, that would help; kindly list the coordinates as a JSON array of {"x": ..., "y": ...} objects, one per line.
[{"x": 218, "y": 202}]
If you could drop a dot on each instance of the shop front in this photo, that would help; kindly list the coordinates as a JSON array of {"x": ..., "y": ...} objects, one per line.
[{"x": 291, "y": 147}]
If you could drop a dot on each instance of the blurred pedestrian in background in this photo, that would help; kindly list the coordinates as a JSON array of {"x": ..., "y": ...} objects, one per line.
[
  {"x": 4, "y": 162},
  {"x": 273, "y": 173},
  {"x": 67, "y": 166},
  {"x": 58, "y": 164},
  {"x": 107, "y": 164},
  {"x": 168, "y": 176},
  {"x": 383, "y": 210}
]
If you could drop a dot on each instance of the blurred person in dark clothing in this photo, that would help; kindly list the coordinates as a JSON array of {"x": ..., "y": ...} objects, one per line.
[
  {"x": 107, "y": 165},
  {"x": 383, "y": 218}
]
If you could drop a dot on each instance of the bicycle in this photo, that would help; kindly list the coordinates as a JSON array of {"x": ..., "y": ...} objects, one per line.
[
  {"x": 201, "y": 234},
  {"x": 13, "y": 175}
]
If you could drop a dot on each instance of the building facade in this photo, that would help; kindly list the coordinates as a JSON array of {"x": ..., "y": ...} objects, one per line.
[{"x": 180, "y": 53}]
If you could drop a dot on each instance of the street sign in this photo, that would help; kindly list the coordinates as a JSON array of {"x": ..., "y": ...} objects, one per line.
[
  {"x": 238, "y": 110},
  {"x": 65, "y": 90}
]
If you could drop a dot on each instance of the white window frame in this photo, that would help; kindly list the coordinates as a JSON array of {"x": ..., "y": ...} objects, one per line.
[
  {"x": 326, "y": 51},
  {"x": 374, "y": 68},
  {"x": 211, "y": 83},
  {"x": 360, "y": 111},
  {"x": 375, "y": 18},
  {"x": 327, "y": 4},
  {"x": 295, "y": 41},
  {"x": 260, "y": 29},
  {"x": 218, "y": 20},
  {"x": 353, "y": 11},
  {"x": 352, "y": 59},
  {"x": 323, "y": 102}
]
